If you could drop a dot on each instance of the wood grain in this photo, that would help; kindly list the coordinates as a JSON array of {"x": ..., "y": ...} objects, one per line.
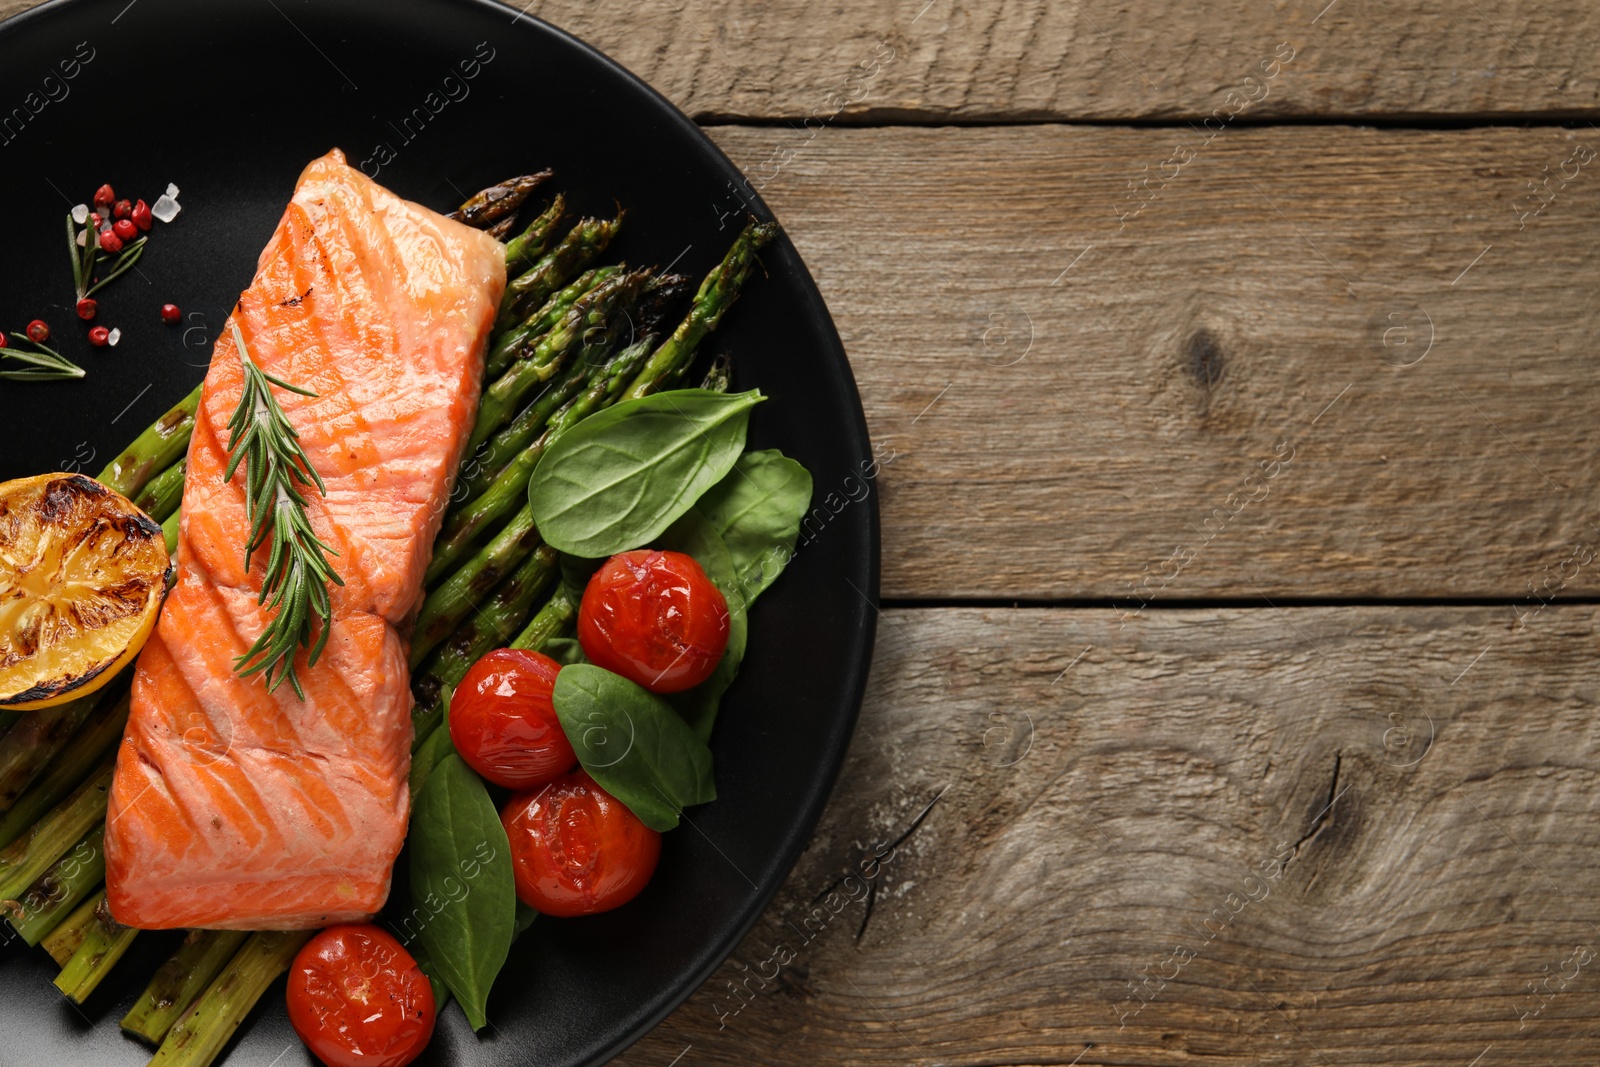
[
  {"x": 1004, "y": 60},
  {"x": 1420, "y": 884},
  {"x": 1030, "y": 60},
  {"x": 1080, "y": 405}
]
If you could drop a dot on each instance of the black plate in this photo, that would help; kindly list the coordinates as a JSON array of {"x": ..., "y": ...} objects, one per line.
[{"x": 229, "y": 101}]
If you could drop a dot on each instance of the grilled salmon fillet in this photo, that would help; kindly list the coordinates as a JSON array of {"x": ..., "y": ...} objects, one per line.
[{"x": 237, "y": 808}]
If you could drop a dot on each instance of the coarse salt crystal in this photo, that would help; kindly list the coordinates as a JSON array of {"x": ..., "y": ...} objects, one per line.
[
  {"x": 113, "y": 337},
  {"x": 172, "y": 190},
  {"x": 166, "y": 209},
  {"x": 80, "y": 214},
  {"x": 82, "y": 237}
]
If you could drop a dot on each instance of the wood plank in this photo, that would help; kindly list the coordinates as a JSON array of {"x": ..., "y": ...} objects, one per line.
[
  {"x": 936, "y": 60},
  {"x": 1103, "y": 60},
  {"x": 1256, "y": 788},
  {"x": 1208, "y": 398}
]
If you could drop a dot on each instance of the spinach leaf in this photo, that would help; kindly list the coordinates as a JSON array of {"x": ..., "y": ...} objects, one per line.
[
  {"x": 461, "y": 879},
  {"x": 633, "y": 744},
  {"x": 619, "y": 478},
  {"x": 564, "y": 650},
  {"x": 433, "y": 750},
  {"x": 757, "y": 509},
  {"x": 425, "y": 964},
  {"x": 576, "y": 571},
  {"x": 699, "y": 706},
  {"x": 525, "y": 917},
  {"x": 695, "y": 535}
]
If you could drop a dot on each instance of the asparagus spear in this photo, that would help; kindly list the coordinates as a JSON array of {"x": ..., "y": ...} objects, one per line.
[
  {"x": 495, "y": 620},
  {"x": 169, "y": 531},
  {"x": 60, "y": 889},
  {"x": 163, "y": 493},
  {"x": 552, "y": 620},
  {"x": 74, "y": 763},
  {"x": 64, "y": 940},
  {"x": 447, "y": 605},
  {"x": 669, "y": 361},
  {"x": 29, "y": 746},
  {"x": 531, "y": 243},
  {"x": 717, "y": 293},
  {"x": 522, "y": 430},
  {"x": 500, "y": 229},
  {"x": 30, "y": 855},
  {"x": 602, "y": 393},
  {"x": 719, "y": 376},
  {"x": 104, "y": 942},
  {"x": 202, "y": 1031},
  {"x": 576, "y": 250},
  {"x": 432, "y": 742},
  {"x": 180, "y": 981},
  {"x": 498, "y": 201},
  {"x": 502, "y": 495},
  {"x": 595, "y": 311},
  {"x": 159, "y": 447},
  {"x": 660, "y": 294},
  {"x": 508, "y": 344},
  {"x": 492, "y": 456}
]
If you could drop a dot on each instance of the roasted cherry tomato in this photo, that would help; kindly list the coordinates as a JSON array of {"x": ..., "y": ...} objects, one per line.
[
  {"x": 358, "y": 999},
  {"x": 576, "y": 849},
  {"x": 655, "y": 618},
  {"x": 503, "y": 723}
]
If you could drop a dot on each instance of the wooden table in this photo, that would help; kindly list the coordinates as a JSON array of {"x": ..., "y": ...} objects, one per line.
[
  {"x": 1240, "y": 539},
  {"x": 1233, "y": 365}
]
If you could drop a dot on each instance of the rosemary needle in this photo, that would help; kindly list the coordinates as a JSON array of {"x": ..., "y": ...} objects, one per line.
[{"x": 298, "y": 571}]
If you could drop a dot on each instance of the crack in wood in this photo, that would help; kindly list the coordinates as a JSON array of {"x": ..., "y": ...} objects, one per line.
[
  {"x": 872, "y": 883},
  {"x": 1321, "y": 820}
]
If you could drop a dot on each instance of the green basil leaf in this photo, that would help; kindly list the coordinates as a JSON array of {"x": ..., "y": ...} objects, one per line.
[
  {"x": 633, "y": 744},
  {"x": 619, "y": 478},
  {"x": 757, "y": 509},
  {"x": 695, "y": 535},
  {"x": 461, "y": 882}
]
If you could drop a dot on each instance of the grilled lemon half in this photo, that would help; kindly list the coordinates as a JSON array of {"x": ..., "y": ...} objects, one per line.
[{"x": 82, "y": 576}]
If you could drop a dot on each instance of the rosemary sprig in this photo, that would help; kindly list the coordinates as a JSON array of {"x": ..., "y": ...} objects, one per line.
[
  {"x": 77, "y": 256},
  {"x": 85, "y": 255},
  {"x": 44, "y": 365},
  {"x": 125, "y": 261},
  {"x": 298, "y": 572}
]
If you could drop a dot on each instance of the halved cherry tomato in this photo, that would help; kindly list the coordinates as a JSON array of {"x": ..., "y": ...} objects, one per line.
[
  {"x": 358, "y": 999},
  {"x": 503, "y": 723},
  {"x": 576, "y": 849},
  {"x": 654, "y": 618}
]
